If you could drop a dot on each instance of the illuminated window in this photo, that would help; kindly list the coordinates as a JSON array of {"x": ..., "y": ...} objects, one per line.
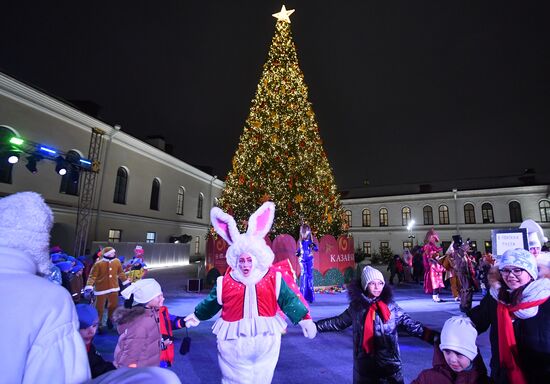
[
  {"x": 115, "y": 235},
  {"x": 197, "y": 244},
  {"x": 405, "y": 216},
  {"x": 443, "y": 214},
  {"x": 544, "y": 208},
  {"x": 181, "y": 199},
  {"x": 347, "y": 214},
  {"x": 383, "y": 217},
  {"x": 151, "y": 237},
  {"x": 366, "y": 217},
  {"x": 367, "y": 248},
  {"x": 199, "y": 206}
]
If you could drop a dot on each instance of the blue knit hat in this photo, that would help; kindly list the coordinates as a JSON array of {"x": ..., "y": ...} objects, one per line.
[
  {"x": 519, "y": 258},
  {"x": 64, "y": 266},
  {"x": 87, "y": 315}
]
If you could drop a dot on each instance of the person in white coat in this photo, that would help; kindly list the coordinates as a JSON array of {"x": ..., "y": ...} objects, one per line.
[{"x": 40, "y": 340}]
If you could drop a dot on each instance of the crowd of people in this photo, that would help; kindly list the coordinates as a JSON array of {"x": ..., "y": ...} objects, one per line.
[
  {"x": 46, "y": 319},
  {"x": 515, "y": 306}
]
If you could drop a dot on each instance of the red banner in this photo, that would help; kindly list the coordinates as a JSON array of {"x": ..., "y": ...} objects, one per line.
[
  {"x": 333, "y": 253},
  {"x": 215, "y": 254}
]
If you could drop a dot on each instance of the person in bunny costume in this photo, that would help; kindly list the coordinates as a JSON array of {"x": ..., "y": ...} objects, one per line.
[{"x": 249, "y": 330}]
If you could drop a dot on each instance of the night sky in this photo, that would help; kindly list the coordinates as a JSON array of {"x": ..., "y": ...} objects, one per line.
[{"x": 403, "y": 91}]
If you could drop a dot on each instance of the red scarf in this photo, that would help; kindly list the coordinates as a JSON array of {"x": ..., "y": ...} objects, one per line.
[
  {"x": 368, "y": 332},
  {"x": 507, "y": 347}
]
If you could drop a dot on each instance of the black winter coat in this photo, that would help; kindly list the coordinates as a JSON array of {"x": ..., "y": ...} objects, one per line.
[
  {"x": 385, "y": 363},
  {"x": 98, "y": 365},
  {"x": 532, "y": 338}
]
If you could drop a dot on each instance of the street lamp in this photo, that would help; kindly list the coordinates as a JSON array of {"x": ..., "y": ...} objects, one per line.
[{"x": 410, "y": 228}]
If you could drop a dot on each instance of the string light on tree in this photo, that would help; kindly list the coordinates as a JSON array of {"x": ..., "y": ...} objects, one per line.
[{"x": 280, "y": 154}]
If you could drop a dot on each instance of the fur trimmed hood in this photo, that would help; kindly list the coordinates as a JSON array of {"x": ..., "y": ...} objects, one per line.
[
  {"x": 127, "y": 315},
  {"x": 358, "y": 296}
]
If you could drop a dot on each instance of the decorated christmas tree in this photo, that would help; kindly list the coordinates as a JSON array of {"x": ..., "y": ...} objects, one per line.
[{"x": 280, "y": 156}]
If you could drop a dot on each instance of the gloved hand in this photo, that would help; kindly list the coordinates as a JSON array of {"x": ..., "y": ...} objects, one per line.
[
  {"x": 191, "y": 320},
  {"x": 180, "y": 322},
  {"x": 88, "y": 293},
  {"x": 308, "y": 328},
  {"x": 430, "y": 335}
]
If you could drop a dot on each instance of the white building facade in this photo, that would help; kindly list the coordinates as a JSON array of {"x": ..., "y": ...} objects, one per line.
[
  {"x": 387, "y": 221},
  {"x": 141, "y": 193}
]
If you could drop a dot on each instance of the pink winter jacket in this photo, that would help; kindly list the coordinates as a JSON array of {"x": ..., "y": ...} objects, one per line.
[{"x": 139, "y": 337}]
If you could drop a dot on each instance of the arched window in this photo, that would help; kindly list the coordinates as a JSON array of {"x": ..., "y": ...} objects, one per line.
[
  {"x": 428, "y": 213},
  {"x": 487, "y": 213},
  {"x": 69, "y": 181},
  {"x": 443, "y": 214},
  {"x": 366, "y": 217},
  {"x": 544, "y": 208},
  {"x": 515, "y": 212},
  {"x": 347, "y": 215},
  {"x": 181, "y": 198},
  {"x": 405, "y": 216},
  {"x": 383, "y": 217},
  {"x": 469, "y": 214},
  {"x": 155, "y": 194},
  {"x": 199, "y": 206},
  {"x": 120, "y": 186}
]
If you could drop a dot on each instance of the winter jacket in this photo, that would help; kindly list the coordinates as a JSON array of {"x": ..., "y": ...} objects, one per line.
[
  {"x": 40, "y": 340},
  {"x": 97, "y": 364},
  {"x": 441, "y": 373},
  {"x": 386, "y": 360},
  {"x": 532, "y": 337},
  {"x": 139, "y": 337}
]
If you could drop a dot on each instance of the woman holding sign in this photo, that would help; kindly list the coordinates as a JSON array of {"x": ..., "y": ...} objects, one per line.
[{"x": 518, "y": 311}]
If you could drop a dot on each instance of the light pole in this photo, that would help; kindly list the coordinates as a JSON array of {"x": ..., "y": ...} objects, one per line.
[{"x": 410, "y": 229}]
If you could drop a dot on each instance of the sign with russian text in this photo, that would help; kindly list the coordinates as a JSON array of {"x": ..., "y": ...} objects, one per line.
[{"x": 505, "y": 239}]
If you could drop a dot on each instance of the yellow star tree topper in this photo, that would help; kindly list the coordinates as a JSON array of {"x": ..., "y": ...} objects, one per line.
[
  {"x": 283, "y": 15},
  {"x": 280, "y": 155}
]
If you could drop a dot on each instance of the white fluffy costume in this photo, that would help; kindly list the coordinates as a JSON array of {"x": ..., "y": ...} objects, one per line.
[{"x": 249, "y": 330}]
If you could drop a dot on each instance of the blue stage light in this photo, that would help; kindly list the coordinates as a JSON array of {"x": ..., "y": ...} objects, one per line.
[{"x": 48, "y": 150}]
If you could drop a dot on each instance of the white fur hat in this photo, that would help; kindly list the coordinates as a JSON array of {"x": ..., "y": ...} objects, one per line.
[
  {"x": 369, "y": 274},
  {"x": 459, "y": 335},
  {"x": 25, "y": 223},
  {"x": 535, "y": 234},
  {"x": 144, "y": 290}
]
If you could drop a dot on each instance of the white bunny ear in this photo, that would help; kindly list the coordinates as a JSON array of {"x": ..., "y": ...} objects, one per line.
[
  {"x": 224, "y": 225},
  {"x": 260, "y": 222}
]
